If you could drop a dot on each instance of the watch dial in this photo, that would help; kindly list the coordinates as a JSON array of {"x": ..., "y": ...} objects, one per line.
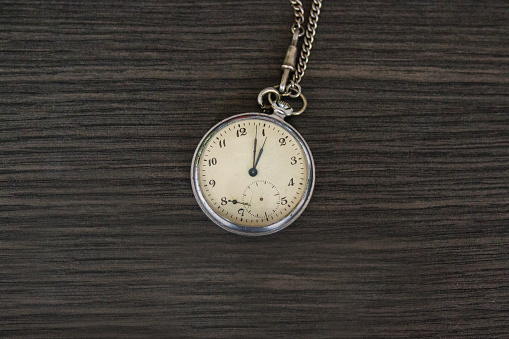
[{"x": 252, "y": 171}]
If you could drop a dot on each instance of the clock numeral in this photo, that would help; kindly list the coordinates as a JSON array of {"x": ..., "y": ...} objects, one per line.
[
  {"x": 263, "y": 132},
  {"x": 294, "y": 161},
  {"x": 291, "y": 182},
  {"x": 241, "y": 212},
  {"x": 222, "y": 143},
  {"x": 212, "y": 183},
  {"x": 282, "y": 141},
  {"x": 284, "y": 201},
  {"x": 241, "y": 131},
  {"x": 224, "y": 201},
  {"x": 212, "y": 162}
]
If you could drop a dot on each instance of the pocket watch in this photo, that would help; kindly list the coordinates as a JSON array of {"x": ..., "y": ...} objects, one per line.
[{"x": 253, "y": 173}]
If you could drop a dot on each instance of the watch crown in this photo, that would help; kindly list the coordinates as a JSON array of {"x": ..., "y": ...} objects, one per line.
[
  {"x": 283, "y": 104},
  {"x": 281, "y": 108}
]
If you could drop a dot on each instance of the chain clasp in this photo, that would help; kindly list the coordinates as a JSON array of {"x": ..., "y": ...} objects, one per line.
[{"x": 288, "y": 65}]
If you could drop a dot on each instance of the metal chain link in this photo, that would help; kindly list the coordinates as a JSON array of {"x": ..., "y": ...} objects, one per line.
[
  {"x": 299, "y": 16},
  {"x": 309, "y": 37},
  {"x": 291, "y": 88}
]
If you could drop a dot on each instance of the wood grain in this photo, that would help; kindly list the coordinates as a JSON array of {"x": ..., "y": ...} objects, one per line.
[{"x": 102, "y": 104}]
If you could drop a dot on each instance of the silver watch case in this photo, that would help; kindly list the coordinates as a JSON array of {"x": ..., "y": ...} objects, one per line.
[{"x": 246, "y": 230}]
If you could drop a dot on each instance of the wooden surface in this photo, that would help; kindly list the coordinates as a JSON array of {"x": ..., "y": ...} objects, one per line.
[{"x": 102, "y": 104}]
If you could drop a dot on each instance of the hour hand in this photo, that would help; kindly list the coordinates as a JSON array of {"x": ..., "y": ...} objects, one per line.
[
  {"x": 260, "y": 154},
  {"x": 253, "y": 171}
]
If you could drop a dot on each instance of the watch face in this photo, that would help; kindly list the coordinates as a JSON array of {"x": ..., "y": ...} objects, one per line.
[{"x": 253, "y": 174}]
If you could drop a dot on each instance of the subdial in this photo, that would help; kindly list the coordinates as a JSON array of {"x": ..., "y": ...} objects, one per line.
[{"x": 261, "y": 198}]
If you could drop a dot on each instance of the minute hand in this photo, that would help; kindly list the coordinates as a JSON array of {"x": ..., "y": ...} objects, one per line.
[
  {"x": 254, "y": 150},
  {"x": 260, "y": 153}
]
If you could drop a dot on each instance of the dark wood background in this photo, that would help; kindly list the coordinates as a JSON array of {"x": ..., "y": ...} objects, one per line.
[{"x": 102, "y": 104}]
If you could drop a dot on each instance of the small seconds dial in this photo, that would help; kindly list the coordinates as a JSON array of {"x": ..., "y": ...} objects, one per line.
[
  {"x": 266, "y": 199},
  {"x": 252, "y": 171}
]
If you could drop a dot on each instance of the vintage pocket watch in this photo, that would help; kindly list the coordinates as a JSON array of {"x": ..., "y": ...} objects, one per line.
[{"x": 253, "y": 173}]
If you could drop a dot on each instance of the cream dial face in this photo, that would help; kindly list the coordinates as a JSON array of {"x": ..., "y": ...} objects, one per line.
[{"x": 253, "y": 171}]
